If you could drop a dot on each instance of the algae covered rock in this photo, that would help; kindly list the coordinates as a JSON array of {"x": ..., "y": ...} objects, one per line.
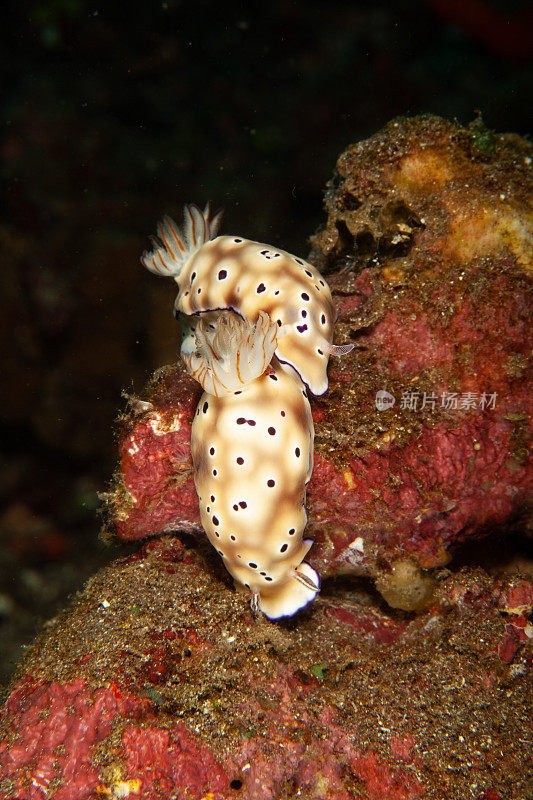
[{"x": 159, "y": 682}]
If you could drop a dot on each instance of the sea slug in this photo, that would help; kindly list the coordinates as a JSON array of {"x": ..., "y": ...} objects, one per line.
[{"x": 257, "y": 327}]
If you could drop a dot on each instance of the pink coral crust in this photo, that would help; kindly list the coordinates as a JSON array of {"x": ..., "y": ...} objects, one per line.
[
  {"x": 443, "y": 487},
  {"x": 60, "y": 727},
  {"x": 156, "y": 468},
  {"x": 325, "y": 767},
  {"x": 168, "y": 760}
]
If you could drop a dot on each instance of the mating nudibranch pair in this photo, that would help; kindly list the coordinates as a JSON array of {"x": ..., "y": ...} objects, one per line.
[{"x": 257, "y": 328}]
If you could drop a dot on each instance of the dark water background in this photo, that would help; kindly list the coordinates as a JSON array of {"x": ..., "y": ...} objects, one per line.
[{"x": 114, "y": 115}]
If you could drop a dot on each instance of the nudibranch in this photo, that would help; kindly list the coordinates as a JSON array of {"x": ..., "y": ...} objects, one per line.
[
  {"x": 253, "y": 457},
  {"x": 257, "y": 328},
  {"x": 229, "y": 272}
]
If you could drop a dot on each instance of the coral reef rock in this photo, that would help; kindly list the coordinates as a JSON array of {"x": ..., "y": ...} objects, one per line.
[
  {"x": 422, "y": 442},
  {"x": 158, "y": 682}
]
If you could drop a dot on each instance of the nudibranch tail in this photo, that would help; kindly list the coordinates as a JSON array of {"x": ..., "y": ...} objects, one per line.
[
  {"x": 229, "y": 351},
  {"x": 300, "y": 587},
  {"x": 174, "y": 246}
]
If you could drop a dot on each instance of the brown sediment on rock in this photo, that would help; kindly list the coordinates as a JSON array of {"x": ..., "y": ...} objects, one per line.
[
  {"x": 424, "y": 181},
  {"x": 165, "y": 665}
]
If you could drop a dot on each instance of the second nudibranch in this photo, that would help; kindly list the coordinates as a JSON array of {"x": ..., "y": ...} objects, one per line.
[{"x": 257, "y": 325}]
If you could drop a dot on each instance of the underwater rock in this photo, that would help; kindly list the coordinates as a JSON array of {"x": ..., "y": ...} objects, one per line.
[
  {"x": 159, "y": 682},
  {"x": 422, "y": 441},
  {"x": 154, "y": 488}
]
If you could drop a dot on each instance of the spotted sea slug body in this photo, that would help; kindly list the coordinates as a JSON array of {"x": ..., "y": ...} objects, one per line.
[
  {"x": 253, "y": 454},
  {"x": 257, "y": 327}
]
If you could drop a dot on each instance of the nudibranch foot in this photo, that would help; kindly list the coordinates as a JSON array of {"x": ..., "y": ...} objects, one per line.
[
  {"x": 229, "y": 352},
  {"x": 300, "y": 587},
  {"x": 173, "y": 246}
]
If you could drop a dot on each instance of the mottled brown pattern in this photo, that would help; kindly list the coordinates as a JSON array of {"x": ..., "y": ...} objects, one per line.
[{"x": 260, "y": 278}]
